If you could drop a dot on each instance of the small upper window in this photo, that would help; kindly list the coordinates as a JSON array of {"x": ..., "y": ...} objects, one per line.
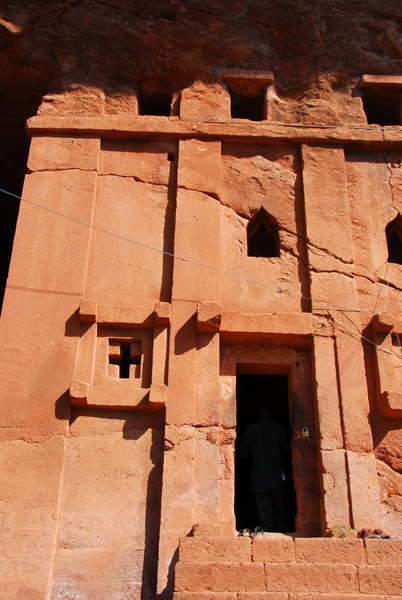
[
  {"x": 381, "y": 96},
  {"x": 262, "y": 236},
  {"x": 247, "y": 91},
  {"x": 394, "y": 240},
  {"x": 244, "y": 107},
  {"x": 155, "y": 103}
]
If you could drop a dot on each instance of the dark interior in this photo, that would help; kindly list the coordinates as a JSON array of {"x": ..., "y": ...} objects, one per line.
[
  {"x": 382, "y": 106},
  {"x": 244, "y": 107},
  {"x": 394, "y": 242},
  {"x": 252, "y": 393},
  {"x": 261, "y": 243},
  {"x": 157, "y": 103}
]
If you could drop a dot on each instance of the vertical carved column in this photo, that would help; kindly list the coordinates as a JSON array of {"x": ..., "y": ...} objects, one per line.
[
  {"x": 191, "y": 460},
  {"x": 342, "y": 401},
  {"x": 46, "y": 280}
]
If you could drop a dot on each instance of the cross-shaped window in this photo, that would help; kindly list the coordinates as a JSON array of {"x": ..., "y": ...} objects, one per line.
[{"x": 127, "y": 355}]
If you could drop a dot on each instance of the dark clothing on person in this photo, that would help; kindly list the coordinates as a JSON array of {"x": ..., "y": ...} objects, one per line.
[
  {"x": 268, "y": 444},
  {"x": 271, "y": 507}
]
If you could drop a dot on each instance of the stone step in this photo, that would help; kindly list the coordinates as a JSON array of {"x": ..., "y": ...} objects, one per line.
[{"x": 288, "y": 568}]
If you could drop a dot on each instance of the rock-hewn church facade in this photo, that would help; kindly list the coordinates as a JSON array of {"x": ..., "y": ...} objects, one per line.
[{"x": 184, "y": 255}]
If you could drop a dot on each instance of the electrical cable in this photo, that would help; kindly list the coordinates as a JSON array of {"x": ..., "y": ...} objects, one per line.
[{"x": 182, "y": 258}]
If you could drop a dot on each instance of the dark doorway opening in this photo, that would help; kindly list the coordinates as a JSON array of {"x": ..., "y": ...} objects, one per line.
[{"x": 253, "y": 392}]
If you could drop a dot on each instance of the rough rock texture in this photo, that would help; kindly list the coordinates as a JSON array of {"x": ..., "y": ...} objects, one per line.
[
  {"x": 112, "y": 48},
  {"x": 134, "y": 305}
]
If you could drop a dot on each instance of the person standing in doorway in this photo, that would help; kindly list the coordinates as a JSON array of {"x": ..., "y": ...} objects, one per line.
[{"x": 267, "y": 443}]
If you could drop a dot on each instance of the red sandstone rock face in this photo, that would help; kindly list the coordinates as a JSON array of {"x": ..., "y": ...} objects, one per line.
[
  {"x": 108, "y": 49},
  {"x": 331, "y": 209}
]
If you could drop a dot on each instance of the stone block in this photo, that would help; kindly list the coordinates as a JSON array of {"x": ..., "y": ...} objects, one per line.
[
  {"x": 323, "y": 578},
  {"x": 205, "y": 596},
  {"x": 364, "y": 490},
  {"x": 384, "y": 552},
  {"x": 146, "y": 161},
  {"x": 222, "y": 577},
  {"x": 209, "y": 316},
  {"x": 123, "y": 102},
  {"x": 31, "y": 475},
  {"x": 157, "y": 395},
  {"x": 202, "y": 102},
  {"x": 290, "y": 325},
  {"x": 353, "y": 387},
  {"x": 207, "y": 381},
  {"x": 273, "y": 550},
  {"x": 54, "y": 153},
  {"x": 326, "y": 203},
  {"x": 198, "y": 220},
  {"x": 199, "y": 166},
  {"x": 182, "y": 365},
  {"x": 326, "y": 378},
  {"x": 162, "y": 313},
  {"x": 214, "y": 550},
  {"x": 334, "y": 488},
  {"x": 322, "y": 550},
  {"x": 115, "y": 263},
  {"x": 111, "y": 519},
  {"x": 263, "y": 596},
  {"x": 79, "y": 393},
  {"x": 247, "y": 82},
  {"x": 383, "y": 322},
  {"x": 357, "y": 596},
  {"x": 206, "y": 476},
  {"x": 380, "y": 579},
  {"x": 43, "y": 233},
  {"x": 380, "y": 80},
  {"x": 87, "y": 310},
  {"x": 390, "y": 404}
]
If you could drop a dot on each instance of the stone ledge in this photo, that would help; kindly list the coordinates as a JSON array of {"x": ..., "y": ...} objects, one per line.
[
  {"x": 122, "y": 316},
  {"x": 120, "y": 127}
]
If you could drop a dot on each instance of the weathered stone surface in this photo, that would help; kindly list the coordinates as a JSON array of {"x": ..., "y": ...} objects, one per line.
[
  {"x": 273, "y": 550},
  {"x": 321, "y": 578},
  {"x": 221, "y": 577},
  {"x": 213, "y": 550},
  {"x": 113, "y": 193},
  {"x": 387, "y": 553},
  {"x": 347, "y": 551},
  {"x": 380, "y": 580},
  {"x": 64, "y": 153}
]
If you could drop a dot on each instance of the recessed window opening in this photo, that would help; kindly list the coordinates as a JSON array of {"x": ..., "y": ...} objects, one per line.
[
  {"x": 156, "y": 103},
  {"x": 382, "y": 105},
  {"x": 263, "y": 400},
  {"x": 171, "y": 157},
  {"x": 394, "y": 240},
  {"x": 125, "y": 353},
  {"x": 262, "y": 236},
  {"x": 245, "y": 107}
]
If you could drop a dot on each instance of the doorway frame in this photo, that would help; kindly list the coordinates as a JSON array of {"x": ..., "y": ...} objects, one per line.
[{"x": 269, "y": 358}]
